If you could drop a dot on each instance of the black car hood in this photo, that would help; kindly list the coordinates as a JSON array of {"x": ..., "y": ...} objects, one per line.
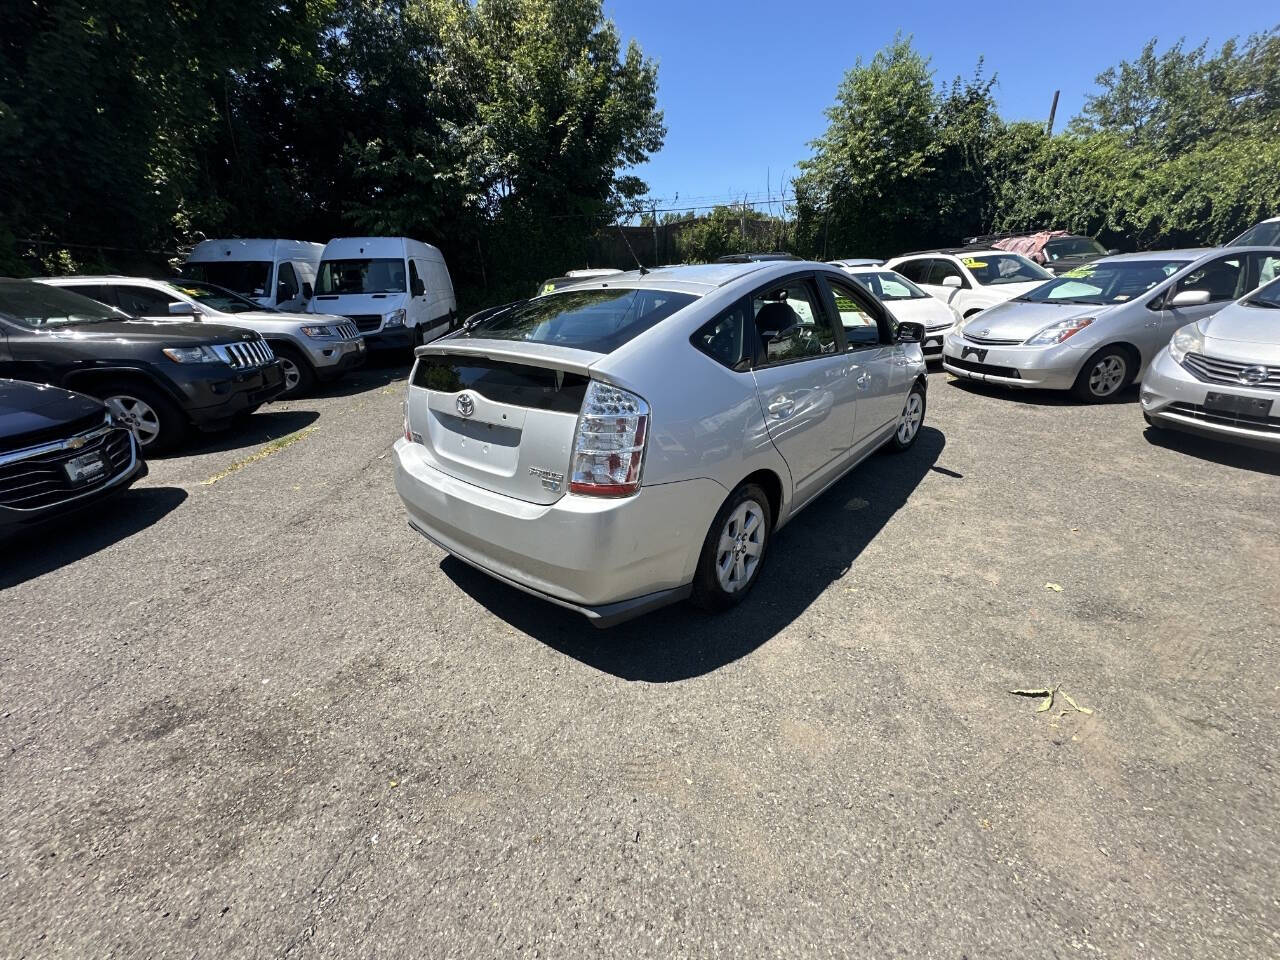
[
  {"x": 165, "y": 333},
  {"x": 32, "y": 413}
]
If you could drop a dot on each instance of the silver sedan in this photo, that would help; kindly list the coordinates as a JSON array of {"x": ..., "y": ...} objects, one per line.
[
  {"x": 1221, "y": 376},
  {"x": 1094, "y": 330},
  {"x": 637, "y": 439}
]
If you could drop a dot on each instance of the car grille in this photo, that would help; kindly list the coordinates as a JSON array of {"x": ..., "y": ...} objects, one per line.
[
  {"x": 348, "y": 331},
  {"x": 1213, "y": 370},
  {"x": 366, "y": 322},
  {"x": 990, "y": 369},
  {"x": 40, "y": 481},
  {"x": 1197, "y": 412},
  {"x": 991, "y": 342},
  {"x": 244, "y": 354}
]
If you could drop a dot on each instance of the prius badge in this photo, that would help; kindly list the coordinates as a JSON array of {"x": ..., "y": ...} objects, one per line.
[
  {"x": 466, "y": 406},
  {"x": 550, "y": 479}
]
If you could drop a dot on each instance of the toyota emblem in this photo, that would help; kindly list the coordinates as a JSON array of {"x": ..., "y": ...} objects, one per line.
[
  {"x": 1253, "y": 374},
  {"x": 984, "y": 332},
  {"x": 466, "y": 406}
]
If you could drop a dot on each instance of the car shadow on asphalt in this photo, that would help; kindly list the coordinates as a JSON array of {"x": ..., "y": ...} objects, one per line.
[
  {"x": 40, "y": 549},
  {"x": 1215, "y": 451},
  {"x": 382, "y": 369},
  {"x": 259, "y": 427},
  {"x": 1039, "y": 398},
  {"x": 811, "y": 553}
]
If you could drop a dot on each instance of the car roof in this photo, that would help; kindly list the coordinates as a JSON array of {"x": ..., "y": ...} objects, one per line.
[
  {"x": 701, "y": 278},
  {"x": 1185, "y": 253},
  {"x": 951, "y": 252}
]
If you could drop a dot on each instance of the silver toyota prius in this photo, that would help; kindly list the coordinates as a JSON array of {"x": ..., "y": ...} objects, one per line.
[
  {"x": 1094, "y": 330},
  {"x": 637, "y": 439}
]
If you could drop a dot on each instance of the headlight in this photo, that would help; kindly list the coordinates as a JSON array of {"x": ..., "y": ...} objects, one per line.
[
  {"x": 192, "y": 355},
  {"x": 1058, "y": 332},
  {"x": 1188, "y": 339},
  {"x": 394, "y": 319},
  {"x": 320, "y": 331}
]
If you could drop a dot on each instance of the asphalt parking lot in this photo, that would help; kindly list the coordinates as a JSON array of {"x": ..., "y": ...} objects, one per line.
[{"x": 261, "y": 717}]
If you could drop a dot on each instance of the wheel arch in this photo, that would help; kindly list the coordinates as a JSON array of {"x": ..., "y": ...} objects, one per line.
[
  {"x": 768, "y": 481},
  {"x": 83, "y": 379}
]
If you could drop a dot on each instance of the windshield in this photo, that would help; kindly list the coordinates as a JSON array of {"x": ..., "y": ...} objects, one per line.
[
  {"x": 1268, "y": 296},
  {"x": 596, "y": 320},
  {"x": 383, "y": 275},
  {"x": 887, "y": 285},
  {"x": 39, "y": 305},
  {"x": 216, "y": 298},
  {"x": 1107, "y": 281},
  {"x": 1266, "y": 234},
  {"x": 1073, "y": 247},
  {"x": 249, "y": 277},
  {"x": 993, "y": 269}
]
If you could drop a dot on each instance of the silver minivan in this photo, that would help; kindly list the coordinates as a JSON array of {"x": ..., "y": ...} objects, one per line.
[{"x": 637, "y": 439}]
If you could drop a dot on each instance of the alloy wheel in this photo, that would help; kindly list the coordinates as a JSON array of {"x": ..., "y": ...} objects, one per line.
[
  {"x": 1107, "y": 375},
  {"x": 139, "y": 416},
  {"x": 741, "y": 547},
  {"x": 909, "y": 421},
  {"x": 292, "y": 375}
]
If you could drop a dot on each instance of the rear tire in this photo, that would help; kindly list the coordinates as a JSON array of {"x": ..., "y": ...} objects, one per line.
[
  {"x": 1104, "y": 375},
  {"x": 155, "y": 421},
  {"x": 910, "y": 421},
  {"x": 299, "y": 375},
  {"x": 734, "y": 549}
]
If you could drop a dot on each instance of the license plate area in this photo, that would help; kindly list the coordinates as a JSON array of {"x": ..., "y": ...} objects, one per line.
[
  {"x": 1235, "y": 404},
  {"x": 85, "y": 468}
]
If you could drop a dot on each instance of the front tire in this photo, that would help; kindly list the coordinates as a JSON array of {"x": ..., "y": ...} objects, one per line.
[
  {"x": 734, "y": 549},
  {"x": 909, "y": 421},
  {"x": 1104, "y": 375},
  {"x": 299, "y": 376},
  {"x": 156, "y": 421}
]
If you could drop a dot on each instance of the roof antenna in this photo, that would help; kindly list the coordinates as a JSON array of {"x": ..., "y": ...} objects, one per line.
[{"x": 643, "y": 271}]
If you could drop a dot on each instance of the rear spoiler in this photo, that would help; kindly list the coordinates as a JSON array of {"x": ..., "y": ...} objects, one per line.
[{"x": 515, "y": 351}]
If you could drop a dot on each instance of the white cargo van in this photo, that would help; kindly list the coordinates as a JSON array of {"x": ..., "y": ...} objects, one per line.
[
  {"x": 272, "y": 273},
  {"x": 395, "y": 290}
]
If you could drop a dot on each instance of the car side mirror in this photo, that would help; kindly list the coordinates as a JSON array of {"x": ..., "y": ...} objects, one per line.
[
  {"x": 910, "y": 332},
  {"x": 952, "y": 281},
  {"x": 1113, "y": 251},
  {"x": 180, "y": 308},
  {"x": 308, "y": 291},
  {"x": 419, "y": 288},
  {"x": 1189, "y": 298}
]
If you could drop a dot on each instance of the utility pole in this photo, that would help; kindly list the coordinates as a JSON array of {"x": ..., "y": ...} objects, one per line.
[
  {"x": 742, "y": 222},
  {"x": 1053, "y": 112},
  {"x": 656, "y": 258}
]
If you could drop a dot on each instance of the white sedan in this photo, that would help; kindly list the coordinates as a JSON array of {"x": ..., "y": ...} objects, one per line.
[
  {"x": 906, "y": 301},
  {"x": 968, "y": 279}
]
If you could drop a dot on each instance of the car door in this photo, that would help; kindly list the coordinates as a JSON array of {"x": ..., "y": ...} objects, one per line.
[
  {"x": 1224, "y": 278},
  {"x": 801, "y": 381},
  {"x": 288, "y": 288},
  {"x": 961, "y": 297},
  {"x": 146, "y": 302},
  {"x": 877, "y": 363}
]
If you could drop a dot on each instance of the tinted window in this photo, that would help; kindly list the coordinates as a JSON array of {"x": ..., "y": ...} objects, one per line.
[
  {"x": 287, "y": 287},
  {"x": 1268, "y": 296},
  {"x": 383, "y": 275},
  {"x": 993, "y": 269},
  {"x": 1265, "y": 234},
  {"x": 94, "y": 291},
  {"x": 940, "y": 269},
  {"x": 1106, "y": 281},
  {"x": 860, "y": 326},
  {"x": 250, "y": 277},
  {"x": 216, "y": 298},
  {"x": 413, "y": 275},
  {"x": 596, "y": 320},
  {"x": 1072, "y": 247},
  {"x": 728, "y": 338},
  {"x": 913, "y": 270},
  {"x": 38, "y": 305},
  {"x": 515, "y": 383},
  {"x": 1224, "y": 279},
  {"x": 143, "y": 301},
  {"x": 791, "y": 323}
]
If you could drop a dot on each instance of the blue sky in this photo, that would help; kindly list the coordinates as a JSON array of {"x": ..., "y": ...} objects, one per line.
[{"x": 743, "y": 84}]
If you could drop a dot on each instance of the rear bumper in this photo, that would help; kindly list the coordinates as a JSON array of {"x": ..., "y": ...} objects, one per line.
[
  {"x": 1051, "y": 368},
  {"x": 607, "y": 559},
  {"x": 210, "y": 399},
  {"x": 1171, "y": 397}
]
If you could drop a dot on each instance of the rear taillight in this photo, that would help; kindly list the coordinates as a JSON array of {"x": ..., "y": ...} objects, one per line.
[{"x": 608, "y": 447}]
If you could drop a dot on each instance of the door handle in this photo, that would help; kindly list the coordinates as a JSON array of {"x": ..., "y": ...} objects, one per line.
[
  {"x": 863, "y": 380},
  {"x": 781, "y": 408}
]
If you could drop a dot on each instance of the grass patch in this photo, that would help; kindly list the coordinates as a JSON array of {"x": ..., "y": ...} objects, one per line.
[{"x": 275, "y": 446}]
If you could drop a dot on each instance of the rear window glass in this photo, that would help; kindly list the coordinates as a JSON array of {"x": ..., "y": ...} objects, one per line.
[
  {"x": 518, "y": 384},
  {"x": 595, "y": 320}
]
